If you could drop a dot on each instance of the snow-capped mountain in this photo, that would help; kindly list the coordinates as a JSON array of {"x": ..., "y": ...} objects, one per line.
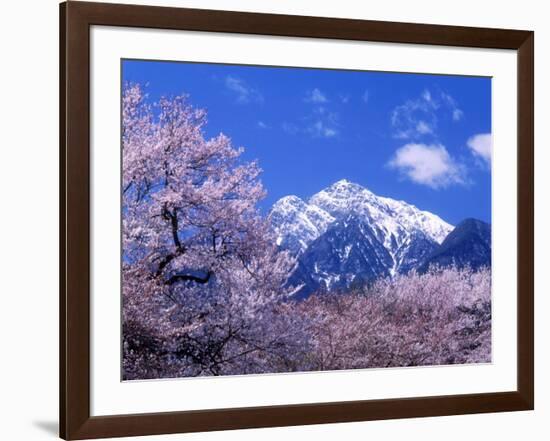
[
  {"x": 395, "y": 223},
  {"x": 297, "y": 223},
  {"x": 345, "y": 234},
  {"x": 347, "y": 254},
  {"x": 392, "y": 219}
]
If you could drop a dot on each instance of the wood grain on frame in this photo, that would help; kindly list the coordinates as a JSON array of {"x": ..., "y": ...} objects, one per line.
[{"x": 75, "y": 21}]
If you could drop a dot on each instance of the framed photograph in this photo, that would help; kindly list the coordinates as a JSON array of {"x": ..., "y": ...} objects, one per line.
[{"x": 272, "y": 220}]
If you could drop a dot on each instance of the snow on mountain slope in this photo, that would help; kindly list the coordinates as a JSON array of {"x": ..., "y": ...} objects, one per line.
[
  {"x": 297, "y": 224},
  {"x": 347, "y": 254},
  {"x": 387, "y": 215},
  {"x": 406, "y": 232}
]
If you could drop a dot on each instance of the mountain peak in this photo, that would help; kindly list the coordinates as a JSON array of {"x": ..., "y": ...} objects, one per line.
[
  {"x": 469, "y": 244},
  {"x": 340, "y": 197},
  {"x": 290, "y": 200},
  {"x": 472, "y": 222},
  {"x": 343, "y": 182},
  {"x": 345, "y": 186}
]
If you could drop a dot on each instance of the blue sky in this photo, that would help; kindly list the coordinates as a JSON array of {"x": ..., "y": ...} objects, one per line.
[{"x": 425, "y": 139}]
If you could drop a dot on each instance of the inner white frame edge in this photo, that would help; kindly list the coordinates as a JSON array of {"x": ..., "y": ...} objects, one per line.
[{"x": 110, "y": 396}]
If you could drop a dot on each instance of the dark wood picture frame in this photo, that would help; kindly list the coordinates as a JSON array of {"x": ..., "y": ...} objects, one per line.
[{"x": 75, "y": 21}]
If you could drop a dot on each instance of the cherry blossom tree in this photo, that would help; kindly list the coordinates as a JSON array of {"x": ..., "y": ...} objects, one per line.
[
  {"x": 442, "y": 317},
  {"x": 201, "y": 274}
]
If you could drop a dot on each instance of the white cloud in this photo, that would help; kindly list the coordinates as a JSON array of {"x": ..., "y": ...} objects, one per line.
[
  {"x": 245, "y": 93},
  {"x": 320, "y": 129},
  {"x": 418, "y": 118},
  {"x": 452, "y": 104},
  {"x": 429, "y": 165},
  {"x": 263, "y": 125},
  {"x": 427, "y": 96},
  {"x": 423, "y": 128},
  {"x": 319, "y": 121},
  {"x": 481, "y": 146},
  {"x": 415, "y": 118},
  {"x": 316, "y": 96},
  {"x": 344, "y": 98},
  {"x": 457, "y": 114},
  {"x": 321, "y": 110}
]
